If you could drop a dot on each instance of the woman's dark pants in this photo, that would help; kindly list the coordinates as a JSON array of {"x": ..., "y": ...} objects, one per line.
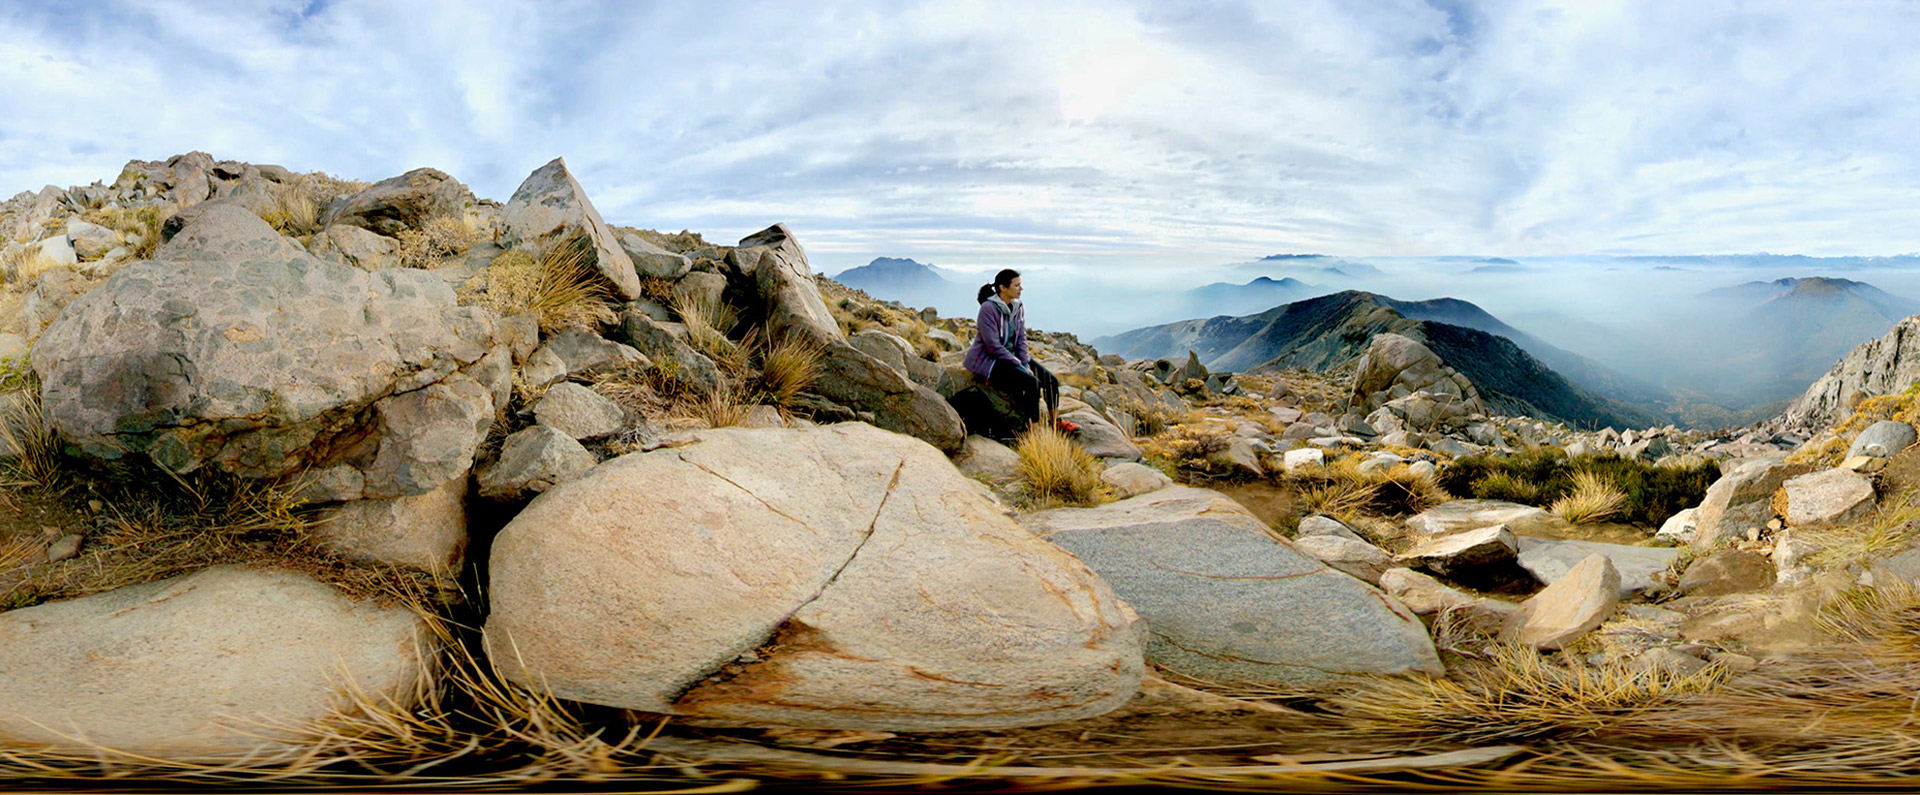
[{"x": 1026, "y": 389}]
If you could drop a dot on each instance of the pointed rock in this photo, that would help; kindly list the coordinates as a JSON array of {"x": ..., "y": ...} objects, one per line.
[
  {"x": 1573, "y": 606},
  {"x": 550, "y": 206}
]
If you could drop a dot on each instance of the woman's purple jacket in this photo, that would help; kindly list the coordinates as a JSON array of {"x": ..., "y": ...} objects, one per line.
[{"x": 986, "y": 341}]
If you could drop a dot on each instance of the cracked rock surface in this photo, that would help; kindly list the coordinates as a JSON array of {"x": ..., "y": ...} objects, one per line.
[
  {"x": 839, "y": 576},
  {"x": 1226, "y": 601}
]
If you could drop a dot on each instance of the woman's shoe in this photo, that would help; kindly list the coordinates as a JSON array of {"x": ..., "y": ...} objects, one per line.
[{"x": 1067, "y": 428}]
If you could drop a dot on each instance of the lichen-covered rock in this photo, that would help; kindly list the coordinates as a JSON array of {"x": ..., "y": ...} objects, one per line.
[
  {"x": 829, "y": 577},
  {"x": 226, "y": 662},
  {"x": 1827, "y": 497},
  {"x": 1225, "y": 600},
  {"x": 236, "y": 347}
]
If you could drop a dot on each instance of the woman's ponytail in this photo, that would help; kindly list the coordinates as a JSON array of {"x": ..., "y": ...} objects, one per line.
[
  {"x": 1003, "y": 278},
  {"x": 986, "y": 291}
]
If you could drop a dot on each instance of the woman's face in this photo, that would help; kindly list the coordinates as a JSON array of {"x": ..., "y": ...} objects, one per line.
[{"x": 1011, "y": 292}]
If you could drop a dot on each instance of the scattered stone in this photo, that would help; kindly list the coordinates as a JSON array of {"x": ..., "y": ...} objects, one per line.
[
  {"x": 1882, "y": 439},
  {"x": 1324, "y": 525},
  {"x": 1572, "y": 606},
  {"x": 1427, "y": 596},
  {"x": 1828, "y": 497},
  {"x": 984, "y": 458},
  {"x": 1458, "y": 515},
  {"x": 838, "y": 577},
  {"x": 1285, "y": 414},
  {"x": 653, "y": 261},
  {"x": 533, "y": 460},
  {"x": 1741, "y": 499},
  {"x": 64, "y": 547},
  {"x": 352, "y": 245},
  {"x": 426, "y": 531},
  {"x": 1423, "y": 469},
  {"x": 660, "y": 345},
  {"x": 1669, "y": 660},
  {"x": 1548, "y": 561},
  {"x": 578, "y": 412},
  {"x": 1452, "y": 448},
  {"x": 90, "y": 241},
  {"x": 222, "y": 663},
  {"x": 1222, "y": 597},
  {"x": 763, "y": 416},
  {"x": 1678, "y": 528},
  {"x": 1864, "y": 464},
  {"x": 1240, "y": 454},
  {"x": 1295, "y": 460},
  {"x": 1727, "y": 571},
  {"x": 1133, "y": 479},
  {"x": 1100, "y": 438},
  {"x": 1464, "y": 552},
  {"x": 1358, "y": 558}
]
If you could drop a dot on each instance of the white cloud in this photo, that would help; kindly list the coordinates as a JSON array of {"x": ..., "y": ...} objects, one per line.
[{"x": 1077, "y": 131}]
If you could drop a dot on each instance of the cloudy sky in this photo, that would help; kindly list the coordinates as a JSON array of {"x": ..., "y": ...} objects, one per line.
[{"x": 1066, "y": 131}]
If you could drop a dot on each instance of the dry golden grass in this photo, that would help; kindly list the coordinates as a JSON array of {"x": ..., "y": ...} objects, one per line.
[
  {"x": 22, "y": 266},
  {"x": 560, "y": 287},
  {"x": 1055, "y": 467},
  {"x": 442, "y": 236},
  {"x": 1517, "y": 694},
  {"x": 1892, "y": 526},
  {"x": 141, "y": 225},
  {"x": 707, "y": 323},
  {"x": 789, "y": 367},
  {"x": 1903, "y": 406},
  {"x": 1592, "y": 499},
  {"x": 25, "y": 431},
  {"x": 156, "y": 525}
]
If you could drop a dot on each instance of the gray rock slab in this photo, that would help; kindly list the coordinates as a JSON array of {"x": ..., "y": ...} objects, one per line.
[
  {"x": 1457, "y": 515},
  {"x": 533, "y": 460},
  {"x": 1225, "y": 600},
  {"x": 578, "y": 412},
  {"x": 1882, "y": 439},
  {"x": 222, "y": 663},
  {"x": 1549, "y": 560}
]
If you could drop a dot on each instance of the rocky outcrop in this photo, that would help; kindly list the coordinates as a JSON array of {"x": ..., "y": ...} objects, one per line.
[
  {"x": 226, "y": 662},
  {"x": 397, "y": 204},
  {"x": 237, "y": 348},
  {"x": 1396, "y": 367},
  {"x": 1225, "y": 600},
  {"x": 831, "y": 577},
  {"x": 848, "y": 376},
  {"x": 550, "y": 207},
  {"x": 1884, "y": 366}
]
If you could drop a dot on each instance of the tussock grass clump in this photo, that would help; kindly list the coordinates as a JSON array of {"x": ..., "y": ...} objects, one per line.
[
  {"x": 1055, "y": 467},
  {"x": 1195, "y": 450},
  {"x": 1539, "y": 477},
  {"x": 708, "y": 323},
  {"x": 442, "y": 236},
  {"x": 1892, "y": 526},
  {"x": 140, "y": 224},
  {"x": 1518, "y": 693},
  {"x": 27, "y": 435},
  {"x": 1145, "y": 418},
  {"x": 1344, "y": 490},
  {"x": 22, "y": 266},
  {"x": 1592, "y": 499},
  {"x": 560, "y": 287},
  {"x": 788, "y": 368}
]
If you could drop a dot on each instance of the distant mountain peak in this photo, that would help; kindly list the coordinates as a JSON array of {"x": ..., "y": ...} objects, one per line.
[{"x": 1278, "y": 257}]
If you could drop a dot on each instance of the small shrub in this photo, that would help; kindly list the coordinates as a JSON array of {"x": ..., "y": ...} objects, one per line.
[
  {"x": 1508, "y": 487},
  {"x": 1196, "y": 449},
  {"x": 721, "y": 407},
  {"x": 657, "y": 289},
  {"x": 24, "y": 429},
  {"x": 1539, "y": 477},
  {"x": 1056, "y": 467},
  {"x": 440, "y": 237},
  {"x": 1592, "y": 499},
  {"x": 707, "y": 324}
]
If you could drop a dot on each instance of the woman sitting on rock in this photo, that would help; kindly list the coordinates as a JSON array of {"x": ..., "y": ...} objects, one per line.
[{"x": 999, "y": 352}]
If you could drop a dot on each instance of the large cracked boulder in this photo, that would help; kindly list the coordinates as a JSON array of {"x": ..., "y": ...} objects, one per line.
[
  {"x": 225, "y": 662},
  {"x": 550, "y": 206},
  {"x": 837, "y": 576},
  {"x": 408, "y": 201},
  {"x": 848, "y": 375},
  {"x": 1225, "y": 600},
  {"x": 235, "y": 347}
]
